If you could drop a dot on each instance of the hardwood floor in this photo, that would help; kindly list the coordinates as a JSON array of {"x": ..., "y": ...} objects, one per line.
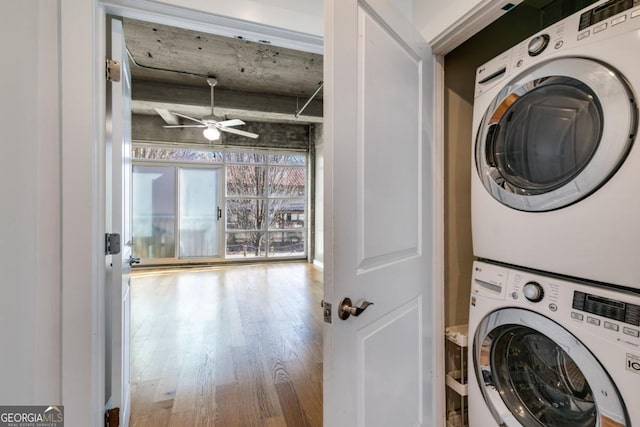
[{"x": 227, "y": 346}]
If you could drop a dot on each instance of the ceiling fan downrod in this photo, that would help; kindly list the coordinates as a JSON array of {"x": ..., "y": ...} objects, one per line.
[{"x": 212, "y": 82}]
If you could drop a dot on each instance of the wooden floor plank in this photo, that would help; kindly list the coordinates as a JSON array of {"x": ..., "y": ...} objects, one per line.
[
  {"x": 291, "y": 407},
  {"x": 227, "y": 346}
]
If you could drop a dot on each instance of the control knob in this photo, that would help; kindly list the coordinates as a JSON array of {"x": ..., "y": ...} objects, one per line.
[
  {"x": 533, "y": 291},
  {"x": 538, "y": 44}
]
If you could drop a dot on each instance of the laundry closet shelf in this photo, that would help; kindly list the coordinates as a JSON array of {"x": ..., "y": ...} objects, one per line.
[
  {"x": 456, "y": 381},
  {"x": 457, "y": 334}
]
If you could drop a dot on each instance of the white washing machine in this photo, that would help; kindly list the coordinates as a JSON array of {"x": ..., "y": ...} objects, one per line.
[
  {"x": 545, "y": 351},
  {"x": 556, "y": 171}
]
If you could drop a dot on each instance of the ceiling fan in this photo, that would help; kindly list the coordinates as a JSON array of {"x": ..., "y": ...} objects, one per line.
[{"x": 211, "y": 126}]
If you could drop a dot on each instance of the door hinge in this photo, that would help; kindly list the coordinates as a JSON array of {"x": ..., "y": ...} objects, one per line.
[
  {"x": 112, "y": 417},
  {"x": 326, "y": 311},
  {"x": 112, "y": 70},
  {"x": 111, "y": 244}
]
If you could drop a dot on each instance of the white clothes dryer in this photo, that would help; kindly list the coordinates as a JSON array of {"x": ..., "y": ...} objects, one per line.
[
  {"x": 547, "y": 352},
  {"x": 556, "y": 171}
]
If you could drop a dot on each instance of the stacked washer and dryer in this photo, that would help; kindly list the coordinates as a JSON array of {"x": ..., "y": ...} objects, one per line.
[{"x": 554, "y": 321}]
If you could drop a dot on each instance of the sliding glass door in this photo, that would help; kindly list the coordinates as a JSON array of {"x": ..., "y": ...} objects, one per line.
[
  {"x": 176, "y": 213},
  {"x": 200, "y": 213},
  {"x": 154, "y": 211}
]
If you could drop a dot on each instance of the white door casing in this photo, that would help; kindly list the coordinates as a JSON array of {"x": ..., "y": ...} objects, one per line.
[
  {"x": 119, "y": 204},
  {"x": 379, "y": 217}
]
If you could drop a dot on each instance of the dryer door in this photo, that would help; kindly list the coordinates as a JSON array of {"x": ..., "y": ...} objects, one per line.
[
  {"x": 555, "y": 134},
  {"x": 533, "y": 372}
]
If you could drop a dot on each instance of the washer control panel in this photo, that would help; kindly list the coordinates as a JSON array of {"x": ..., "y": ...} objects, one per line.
[{"x": 613, "y": 314}]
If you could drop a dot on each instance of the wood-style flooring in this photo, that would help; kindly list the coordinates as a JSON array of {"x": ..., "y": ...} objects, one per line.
[{"x": 227, "y": 346}]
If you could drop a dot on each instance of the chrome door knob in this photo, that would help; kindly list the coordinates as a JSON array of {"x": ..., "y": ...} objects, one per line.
[{"x": 348, "y": 309}]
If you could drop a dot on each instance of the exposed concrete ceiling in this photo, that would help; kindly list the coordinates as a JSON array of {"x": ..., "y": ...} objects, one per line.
[{"x": 255, "y": 81}]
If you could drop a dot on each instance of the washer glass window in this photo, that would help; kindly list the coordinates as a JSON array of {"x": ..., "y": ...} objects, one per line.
[
  {"x": 548, "y": 387},
  {"x": 532, "y": 372}
]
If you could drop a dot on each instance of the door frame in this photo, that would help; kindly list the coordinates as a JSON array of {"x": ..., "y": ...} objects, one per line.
[
  {"x": 82, "y": 106},
  {"x": 83, "y": 185},
  {"x": 483, "y": 14}
]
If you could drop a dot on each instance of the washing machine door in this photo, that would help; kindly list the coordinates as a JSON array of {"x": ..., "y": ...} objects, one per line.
[
  {"x": 533, "y": 372},
  {"x": 555, "y": 134}
]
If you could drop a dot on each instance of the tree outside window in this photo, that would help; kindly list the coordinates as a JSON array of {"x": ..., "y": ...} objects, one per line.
[{"x": 265, "y": 205}]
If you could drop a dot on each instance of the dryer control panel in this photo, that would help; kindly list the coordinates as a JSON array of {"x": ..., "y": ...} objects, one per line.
[
  {"x": 605, "y": 11},
  {"x": 607, "y": 307}
]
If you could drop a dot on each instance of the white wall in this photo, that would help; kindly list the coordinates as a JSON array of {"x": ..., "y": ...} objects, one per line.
[
  {"x": 432, "y": 17},
  {"x": 30, "y": 214},
  {"x": 304, "y": 16}
]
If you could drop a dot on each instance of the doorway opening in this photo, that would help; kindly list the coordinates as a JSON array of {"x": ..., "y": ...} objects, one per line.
[{"x": 218, "y": 343}]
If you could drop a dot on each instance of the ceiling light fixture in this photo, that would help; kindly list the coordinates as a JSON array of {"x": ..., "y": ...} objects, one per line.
[{"x": 211, "y": 133}]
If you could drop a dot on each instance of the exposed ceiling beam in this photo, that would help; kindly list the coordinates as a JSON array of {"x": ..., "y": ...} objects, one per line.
[
  {"x": 170, "y": 119},
  {"x": 280, "y": 135},
  {"x": 148, "y": 96}
]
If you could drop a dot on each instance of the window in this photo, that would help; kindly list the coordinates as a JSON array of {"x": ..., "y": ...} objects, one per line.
[
  {"x": 179, "y": 214},
  {"x": 265, "y": 205}
]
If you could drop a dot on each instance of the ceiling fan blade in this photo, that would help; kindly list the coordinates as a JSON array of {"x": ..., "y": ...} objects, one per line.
[
  {"x": 239, "y": 132},
  {"x": 167, "y": 116},
  {"x": 190, "y": 118},
  {"x": 184, "y": 126},
  {"x": 232, "y": 122}
]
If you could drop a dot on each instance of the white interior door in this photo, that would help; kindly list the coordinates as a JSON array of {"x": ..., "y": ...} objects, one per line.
[
  {"x": 118, "y": 206},
  {"x": 378, "y": 202}
]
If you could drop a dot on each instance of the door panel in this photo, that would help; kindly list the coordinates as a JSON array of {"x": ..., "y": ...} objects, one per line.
[
  {"x": 391, "y": 380},
  {"x": 389, "y": 185},
  {"x": 378, "y": 189},
  {"x": 118, "y": 206}
]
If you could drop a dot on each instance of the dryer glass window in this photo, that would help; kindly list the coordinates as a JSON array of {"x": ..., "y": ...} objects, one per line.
[
  {"x": 555, "y": 134},
  {"x": 546, "y": 136},
  {"x": 538, "y": 381}
]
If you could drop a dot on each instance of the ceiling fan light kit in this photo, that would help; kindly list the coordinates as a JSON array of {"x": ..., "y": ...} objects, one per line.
[
  {"x": 211, "y": 133},
  {"x": 211, "y": 126}
]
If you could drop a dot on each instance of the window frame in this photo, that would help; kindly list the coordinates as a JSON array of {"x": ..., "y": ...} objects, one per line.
[{"x": 224, "y": 198}]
